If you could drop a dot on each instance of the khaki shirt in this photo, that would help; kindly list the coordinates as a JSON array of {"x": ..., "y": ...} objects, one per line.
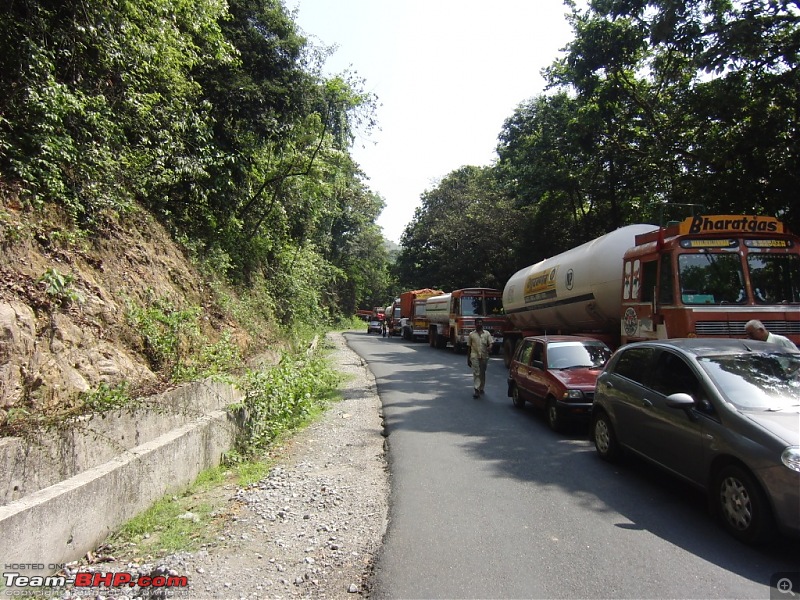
[{"x": 480, "y": 344}]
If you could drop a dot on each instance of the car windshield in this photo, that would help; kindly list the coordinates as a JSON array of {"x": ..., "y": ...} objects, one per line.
[
  {"x": 754, "y": 381},
  {"x": 570, "y": 355}
]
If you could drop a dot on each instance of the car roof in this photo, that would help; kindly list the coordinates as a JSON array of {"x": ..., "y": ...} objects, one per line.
[
  {"x": 699, "y": 346},
  {"x": 562, "y": 338}
]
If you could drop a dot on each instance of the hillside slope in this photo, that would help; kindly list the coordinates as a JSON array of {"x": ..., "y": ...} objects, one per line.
[{"x": 66, "y": 302}]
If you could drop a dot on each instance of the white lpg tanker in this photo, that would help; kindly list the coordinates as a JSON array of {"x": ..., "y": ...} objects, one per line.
[{"x": 705, "y": 276}]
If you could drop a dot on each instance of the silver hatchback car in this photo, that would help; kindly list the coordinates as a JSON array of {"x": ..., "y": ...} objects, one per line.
[{"x": 723, "y": 414}]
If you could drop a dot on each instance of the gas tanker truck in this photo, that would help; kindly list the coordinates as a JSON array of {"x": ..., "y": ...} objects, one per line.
[{"x": 705, "y": 276}]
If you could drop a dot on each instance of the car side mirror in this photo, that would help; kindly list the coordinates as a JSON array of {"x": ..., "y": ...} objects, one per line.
[
  {"x": 680, "y": 400},
  {"x": 537, "y": 364}
]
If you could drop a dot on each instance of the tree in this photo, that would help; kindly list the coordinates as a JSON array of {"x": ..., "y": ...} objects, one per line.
[
  {"x": 460, "y": 236},
  {"x": 711, "y": 85}
]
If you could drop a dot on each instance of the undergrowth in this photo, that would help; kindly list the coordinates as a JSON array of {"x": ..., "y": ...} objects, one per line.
[
  {"x": 279, "y": 399},
  {"x": 276, "y": 402}
]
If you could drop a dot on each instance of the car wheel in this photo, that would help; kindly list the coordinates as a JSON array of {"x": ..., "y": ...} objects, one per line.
[
  {"x": 517, "y": 398},
  {"x": 554, "y": 420},
  {"x": 742, "y": 505},
  {"x": 605, "y": 441}
]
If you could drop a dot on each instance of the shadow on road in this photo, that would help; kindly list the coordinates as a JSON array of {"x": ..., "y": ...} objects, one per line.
[{"x": 429, "y": 390}]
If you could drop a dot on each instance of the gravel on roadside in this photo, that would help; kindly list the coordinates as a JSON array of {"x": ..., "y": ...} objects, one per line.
[{"x": 311, "y": 528}]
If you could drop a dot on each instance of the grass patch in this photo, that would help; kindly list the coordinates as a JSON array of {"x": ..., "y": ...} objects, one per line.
[
  {"x": 187, "y": 521},
  {"x": 277, "y": 402}
]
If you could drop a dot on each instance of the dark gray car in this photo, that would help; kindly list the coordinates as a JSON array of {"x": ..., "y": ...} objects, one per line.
[{"x": 722, "y": 414}]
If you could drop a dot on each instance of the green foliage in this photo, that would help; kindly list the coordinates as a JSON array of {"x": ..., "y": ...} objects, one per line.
[
  {"x": 461, "y": 236},
  {"x": 60, "y": 287},
  {"x": 106, "y": 397},
  {"x": 215, "y": 116},
  {"x": 11, "y": 231},
  {"x": 281, "y": 398},
  {"x": 169, "y": 335}
]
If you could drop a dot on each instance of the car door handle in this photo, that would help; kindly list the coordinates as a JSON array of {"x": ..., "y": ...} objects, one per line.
[{"x": 646, "y": 403}]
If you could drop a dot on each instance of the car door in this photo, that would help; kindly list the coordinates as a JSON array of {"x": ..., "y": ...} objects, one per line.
[
  {"x": 622, "y": 389},
  {"x": 521, "y": 368},
  {"x": 538, "y": 381},
  {"x": 673, "y": 437}
]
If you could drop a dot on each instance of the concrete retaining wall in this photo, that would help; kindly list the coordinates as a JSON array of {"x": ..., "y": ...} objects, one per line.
[{"x": 58, "y": 509}]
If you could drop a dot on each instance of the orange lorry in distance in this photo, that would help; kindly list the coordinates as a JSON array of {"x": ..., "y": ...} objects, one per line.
[
  {"x": 413, "y": 320},
  {"x": 393, "y": 316},
  {"x": 452, "y": 317},
  {"x": 705, "y": 276}
]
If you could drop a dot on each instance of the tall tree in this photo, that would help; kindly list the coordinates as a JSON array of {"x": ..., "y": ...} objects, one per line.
[
  {"x": 713, "y": 85},
  {"x": 461, "y": 236}
]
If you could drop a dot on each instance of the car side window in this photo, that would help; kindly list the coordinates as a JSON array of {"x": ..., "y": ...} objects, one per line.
[
  {"x": 634, "y": 364},
  {"x": 672, "y": 375},
  {"x": 525, "y": 353},
  {"x": 538, "y": 353}
]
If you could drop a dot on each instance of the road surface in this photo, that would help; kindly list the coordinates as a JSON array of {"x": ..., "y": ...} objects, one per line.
[{"x": 487, "y": 502}]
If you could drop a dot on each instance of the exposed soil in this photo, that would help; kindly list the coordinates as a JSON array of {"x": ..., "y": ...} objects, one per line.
[{"x": 63, "y": 303}]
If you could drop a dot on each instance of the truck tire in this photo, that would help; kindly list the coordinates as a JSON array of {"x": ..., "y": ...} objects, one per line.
[{"x": 441, "y": 342}]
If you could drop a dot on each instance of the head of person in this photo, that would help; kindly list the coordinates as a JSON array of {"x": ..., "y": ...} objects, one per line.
[
  {"x": 479, "y": 324},
  {"x": 755, "y": 330}
]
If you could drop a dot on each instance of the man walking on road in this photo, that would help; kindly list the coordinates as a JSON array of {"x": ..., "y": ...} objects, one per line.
[{"x": 478, "y": 346}]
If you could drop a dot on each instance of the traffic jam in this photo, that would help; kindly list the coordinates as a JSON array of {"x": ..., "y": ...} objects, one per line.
[{"x": 677, "y": 344}]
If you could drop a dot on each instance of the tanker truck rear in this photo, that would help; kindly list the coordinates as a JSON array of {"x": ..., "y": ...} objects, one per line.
[
  {"x": 705, "y": 276},
  {"x": 452, "y": 317}
]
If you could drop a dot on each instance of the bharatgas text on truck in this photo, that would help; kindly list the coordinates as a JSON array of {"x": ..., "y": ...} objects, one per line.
[
  {"x": 705, "y": 276},
  {"x": 452, "y": 317}
]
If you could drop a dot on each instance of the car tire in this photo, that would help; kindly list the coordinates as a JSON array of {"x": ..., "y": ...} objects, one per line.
[
  {"x": 554, "y": 419},
  {"x": 605, "y": 440},
  {"x": 742, "y": 506},
  {"x": 516, "y": 397}
]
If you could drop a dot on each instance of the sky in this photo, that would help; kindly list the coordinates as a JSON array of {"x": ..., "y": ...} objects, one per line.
[{"x": 446, "y": 73}]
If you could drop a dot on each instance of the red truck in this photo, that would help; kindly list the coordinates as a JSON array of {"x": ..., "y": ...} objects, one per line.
[
  {"x": 413, "y": 320},
  {"x": 705, "y": 276},
  {"x": 452, "y": 317}
]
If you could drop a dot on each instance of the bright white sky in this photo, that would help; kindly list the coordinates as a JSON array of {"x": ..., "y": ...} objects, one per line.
[{"x": 447, "y": 74}]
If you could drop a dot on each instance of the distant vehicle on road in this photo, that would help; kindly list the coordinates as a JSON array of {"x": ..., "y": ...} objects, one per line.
[
  {"x": 722, "y": 414},
  {"x": 376, "y": 320},
  {"x": 558, "y": 374}
]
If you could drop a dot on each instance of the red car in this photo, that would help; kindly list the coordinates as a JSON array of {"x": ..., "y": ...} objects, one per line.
[{"x": 557, "y": 373}]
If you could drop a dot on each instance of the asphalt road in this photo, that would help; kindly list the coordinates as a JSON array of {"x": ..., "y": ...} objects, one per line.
[{"x": 487, "y": 502}]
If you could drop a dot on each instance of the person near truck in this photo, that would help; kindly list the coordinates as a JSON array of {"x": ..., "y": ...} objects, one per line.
[
  {"x": 478, "y": 346},
  {"x": 755, "y": 330}
]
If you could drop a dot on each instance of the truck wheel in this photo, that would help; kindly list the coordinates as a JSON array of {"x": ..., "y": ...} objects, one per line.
[{"x": 441, "y": 342}]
